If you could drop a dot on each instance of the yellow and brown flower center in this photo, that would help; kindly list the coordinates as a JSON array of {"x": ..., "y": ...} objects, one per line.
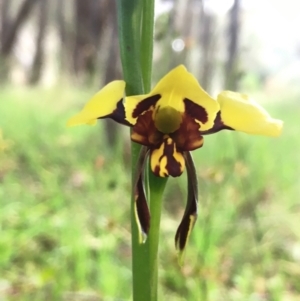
[{"x": 167, "y": 134}]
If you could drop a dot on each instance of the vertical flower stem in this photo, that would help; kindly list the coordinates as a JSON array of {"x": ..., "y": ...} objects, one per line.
[
  {"x": 157, "y": 186},
  {"x": 129, "y": 20},
  {"x": 135, "y": 23},
  {"x": 147, "y": 42},
  {"x": 129, "y": 15}
]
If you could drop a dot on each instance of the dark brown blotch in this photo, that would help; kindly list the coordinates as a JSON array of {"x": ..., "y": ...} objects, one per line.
[
  {"x": 146, "y": 131},
  {"x": 118, "y": 114},
  {"x": 188, "y": 137},
  {"x": 173, "y": 167},
  {"x": 195, "y": 111},
  {"x": 145, "y": 105},
  {"x": 218, "y": 126}
]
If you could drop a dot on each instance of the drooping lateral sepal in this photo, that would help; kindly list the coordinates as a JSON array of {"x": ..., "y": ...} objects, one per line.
[
  {"x": 191, "y": 210},
  {"x": 241, "y": 113},
  {"x": 141, "y": 209},
  {"x": 107, "y": 103}
]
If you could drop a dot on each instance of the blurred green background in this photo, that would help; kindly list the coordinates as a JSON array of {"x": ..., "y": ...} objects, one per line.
[{"x": 65, "y": 192}]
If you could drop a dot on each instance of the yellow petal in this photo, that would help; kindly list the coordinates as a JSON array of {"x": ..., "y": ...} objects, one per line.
[
  {"x": 180, "y": 85},
  {"x": 102, "y": 104},
  {"x": 241, "y": 113},
  {"x": 181, "y": 91}
]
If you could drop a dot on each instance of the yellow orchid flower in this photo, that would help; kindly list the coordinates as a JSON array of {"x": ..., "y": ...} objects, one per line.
[{"x": 170, "y": 122}]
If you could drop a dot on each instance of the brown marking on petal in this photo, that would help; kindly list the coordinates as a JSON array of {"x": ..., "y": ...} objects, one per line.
[
  {"x": 144, "y": 131},
  {"x": 188, "y": 137},
  {"x": 173, "y": 166},
  {"x": 156, "y": 170},
  {"x": 145, "y": 105},
  {"x": 195, "y": 110},
  {"x": 218, "y": 126},
  {"x": 118, "y": 114},
  {"x": 167, "y": 159}
]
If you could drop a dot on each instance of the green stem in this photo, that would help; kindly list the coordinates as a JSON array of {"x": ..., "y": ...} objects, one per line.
[
  {"x": 147, "y": 42},
  {"x": 129, "y": 28},
  {"x": 157, "y": 186},
  {"x": 135, "y": 23}
]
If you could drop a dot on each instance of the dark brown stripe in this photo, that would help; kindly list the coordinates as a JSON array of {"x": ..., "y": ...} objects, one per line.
[
  {"x": 173, "y": 167},
  {"x": 145, "y": 105},
  {"x": 118, "y": 114},
  {"x": 218, "y": 126},
  {"x": 195, "y": 111}
]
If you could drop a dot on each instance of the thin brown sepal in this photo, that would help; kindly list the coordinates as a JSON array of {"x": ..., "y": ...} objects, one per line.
[
  {"x": 141, "y": 209},
  {"x": 191, "y": 210}
]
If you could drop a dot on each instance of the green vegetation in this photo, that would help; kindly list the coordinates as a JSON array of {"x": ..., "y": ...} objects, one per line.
[{"x": 65, "y": 210}]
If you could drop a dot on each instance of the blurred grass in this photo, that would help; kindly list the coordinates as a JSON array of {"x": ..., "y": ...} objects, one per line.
[{"x": 64, "y": 209}]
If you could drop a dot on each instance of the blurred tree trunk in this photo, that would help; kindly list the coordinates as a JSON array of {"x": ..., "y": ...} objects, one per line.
[
  {"x": 9, "y": 32},
  {"x": 82, "y": 17},
  {"x": 96, "y": 32},
  {"x": 232, "y": 73},
  {"x": 14, "y": 26},
  {"x": 38, "y": 60},
  {"x": 113, "y": 66},
  {"x": 207, "y": 45},
  {"x": 64, "y": 37},
  {"x": 88, "y": 24},
  {"x": 4, "y": 9},
  {"x": 4, "y": 12}
]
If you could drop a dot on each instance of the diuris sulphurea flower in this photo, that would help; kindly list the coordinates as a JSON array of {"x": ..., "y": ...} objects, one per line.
[{"x": 169, "y": 122}]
